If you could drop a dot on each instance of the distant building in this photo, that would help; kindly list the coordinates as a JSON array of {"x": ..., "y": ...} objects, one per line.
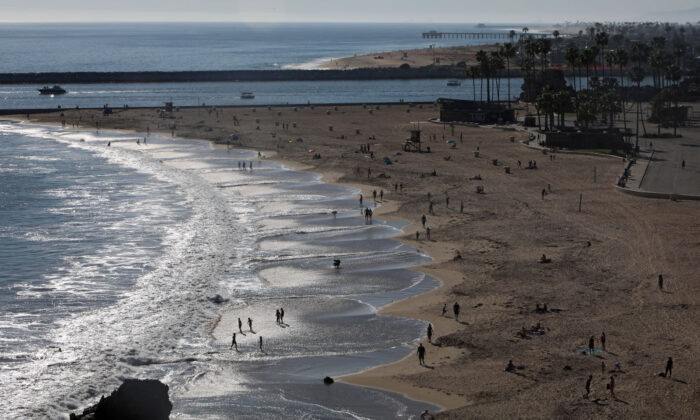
[{"x": 457, "y": 110}]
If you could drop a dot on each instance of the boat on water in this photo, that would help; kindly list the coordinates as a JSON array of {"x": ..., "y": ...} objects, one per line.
[
  {"x": 53, "y": 90},
  {"x": 247, "y": 95},
  {"x": 454, "y": 83}
]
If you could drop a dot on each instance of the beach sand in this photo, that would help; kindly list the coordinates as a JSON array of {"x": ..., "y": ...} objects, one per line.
[
  {"x": 605, "y": 259},
  {"x": 444, "y": 56}
]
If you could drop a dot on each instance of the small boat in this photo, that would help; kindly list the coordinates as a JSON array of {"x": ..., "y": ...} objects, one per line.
[
  {"x": 53, "y": 90},
  {"x": 247, "y": 95},
  {"x": 454, "y": 83}
]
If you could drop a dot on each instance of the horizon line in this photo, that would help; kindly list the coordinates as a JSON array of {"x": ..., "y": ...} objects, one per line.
[{"x": 569, "y": 23}]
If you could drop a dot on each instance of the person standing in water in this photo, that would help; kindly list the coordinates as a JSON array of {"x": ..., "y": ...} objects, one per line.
[{"x": 260, "y": 344}]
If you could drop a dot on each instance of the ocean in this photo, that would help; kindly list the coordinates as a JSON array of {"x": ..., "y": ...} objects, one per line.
[
  {"x": 112, "y": 257},
  {"x": 28, "y": 48},
  {"x": 218, "y": 46}
]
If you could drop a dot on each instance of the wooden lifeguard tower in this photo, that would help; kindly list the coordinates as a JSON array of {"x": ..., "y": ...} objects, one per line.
[{"x": 412, "y": 144}]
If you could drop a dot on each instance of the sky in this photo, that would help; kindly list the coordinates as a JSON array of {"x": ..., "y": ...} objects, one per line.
[{"x": 418, "y": 11}]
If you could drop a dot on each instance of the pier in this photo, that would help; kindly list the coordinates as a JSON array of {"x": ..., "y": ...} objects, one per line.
[{"x": 480, "y": 35}]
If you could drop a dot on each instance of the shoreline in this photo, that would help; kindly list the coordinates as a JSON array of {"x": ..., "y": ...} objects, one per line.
[
  {"x": 387, "y": 210},
  {"x": 605, "y": 258}
]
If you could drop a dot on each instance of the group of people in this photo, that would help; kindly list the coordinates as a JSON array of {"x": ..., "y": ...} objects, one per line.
[
  {"x": 234, "y": 342},
  {"x": 242, "y": 165},
  {"x": 279, "y": 314}
]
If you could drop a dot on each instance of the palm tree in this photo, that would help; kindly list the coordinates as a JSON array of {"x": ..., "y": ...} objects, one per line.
[
  {"x": 622, "y": 58},
  {"x": 474, "y": 72},
  {"x": 508, "y": 52},
  {"x": 587, "y": 58},
  {"x": 544, "y": 46},
  {"x": 572, "y": 57},
  {"x": 562, "y": 104},
  {"x": 496, "y": 63},
  {"x": 636, "y": 76},
  {"x": 601, "y": 40},
  {"x": 483, "y": 59}
]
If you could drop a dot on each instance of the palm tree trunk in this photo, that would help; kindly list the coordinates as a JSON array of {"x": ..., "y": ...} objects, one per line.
[
  {"x": 508, "y": 74},
  {"x": 481, "y": 89}
]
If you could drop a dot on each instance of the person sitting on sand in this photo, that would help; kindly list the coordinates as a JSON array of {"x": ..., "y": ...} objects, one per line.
[
  {"x": 510, "y": 367},
  {"x": 544, "y": 259}
]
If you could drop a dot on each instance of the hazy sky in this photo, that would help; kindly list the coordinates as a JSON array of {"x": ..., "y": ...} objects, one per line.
[{"x": 500, "y": 11}]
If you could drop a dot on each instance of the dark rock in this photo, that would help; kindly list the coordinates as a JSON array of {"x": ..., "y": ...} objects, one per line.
[
  {"x": 136, "y": 399},
  {"x": 328, "y": 380}
]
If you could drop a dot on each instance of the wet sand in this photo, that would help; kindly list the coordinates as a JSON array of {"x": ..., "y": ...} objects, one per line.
[{"x": 605, "y": 259}]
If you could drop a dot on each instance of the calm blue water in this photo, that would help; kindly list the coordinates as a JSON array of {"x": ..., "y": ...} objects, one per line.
[
  {"x": 228, "y": 93},
  {"x": 204, "y": 46},
  {"x": 110, "y": 254}
]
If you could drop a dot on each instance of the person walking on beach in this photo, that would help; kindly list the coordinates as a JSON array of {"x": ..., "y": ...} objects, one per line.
[
  {"x": 611, "y": 386},
  {"x": 233, "y": 342},
  {"x": 423, "y": 219},
  {"x": 250, "y": 325},
  {"x": 421, "y": 354},
  {"x": 281, "y": 315},
  {"x": 444, "y": 309},
  {"x": 417, "y": 235},
  {"x": 602, "y": 340},
  {"x": 427, "y": 233},
  {"x": 661, "y": 282},
  {"x": 588, "y": 385},
  {"x": 381, "y": 195},
  {"x": 240, "y": 326},
  {"x": 277, "y": 316},
  {"x": 591, "y": 345},
  {"x": 260, "y": 344},
  {"x": 374, "y": 195},
  {"x": 360, "y": 200},
  {"x": 455, "y": 309},
  {"x": 669, "y": 367},
  {"x": 430, "y": 333},
  {"x": 461, "y": 206}
]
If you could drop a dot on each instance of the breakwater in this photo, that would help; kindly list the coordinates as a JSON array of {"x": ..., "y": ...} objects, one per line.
[{"x": 231, "y": 76}]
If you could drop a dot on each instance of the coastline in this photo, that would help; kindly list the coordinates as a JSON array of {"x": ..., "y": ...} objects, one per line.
[{"x": 495, "y": 235}]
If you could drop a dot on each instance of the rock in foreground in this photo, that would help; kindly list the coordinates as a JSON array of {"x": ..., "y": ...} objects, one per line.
[{"x": 136, "y": 399}]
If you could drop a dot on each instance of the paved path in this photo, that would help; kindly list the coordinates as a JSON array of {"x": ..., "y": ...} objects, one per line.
[{"x": 664, "y": 172}]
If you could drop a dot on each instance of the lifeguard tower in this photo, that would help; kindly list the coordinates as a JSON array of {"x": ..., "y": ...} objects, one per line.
[{"x": 412, "y": 144}]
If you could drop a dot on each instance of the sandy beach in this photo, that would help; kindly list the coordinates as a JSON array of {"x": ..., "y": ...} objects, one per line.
[
  {"x": 444, "y": 56},
  {"x": 601, "y": 275}
]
